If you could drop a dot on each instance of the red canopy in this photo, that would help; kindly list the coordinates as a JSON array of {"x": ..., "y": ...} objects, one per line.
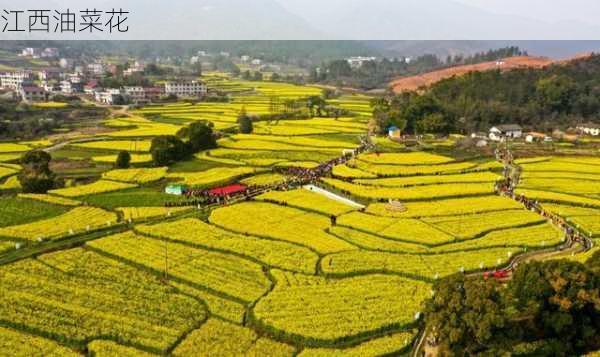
[{"x": 227, "y": 190}]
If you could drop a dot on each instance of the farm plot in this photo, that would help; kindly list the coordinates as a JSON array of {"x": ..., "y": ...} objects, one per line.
[
  {"x": 412, "y": 193},
  {"x": 105, "y": 297},
  {"x": 345, "y": 171},
  {"x": 407, "y": 230},
  {"x": 105, "y": 348},
  {"x": 266, "y": 145},
  {"x": 529, "y": 237},
  {"x": 214, "y": 177},
  {"x": 418, "y": 266},
  {"x": 440, "y": 169},
  {"x": 370, "y": 241},
  {"x": 117, "y": 145},
  {"x": 139, "y": 176},
  {"x": 411, "y": 158},
  {"x": 445, "y": 207},
  {"x": 15, "y": 211},
  {"x": 273, "y": 253},
  {"x": 10, "y": 148},
  {"x": 264, "y": 179},
  {"x": 11, "y": 183},
  {"x": 306, "y": 200},
  {"x": 50, "y": 199},
  {"x": 77, "y": 220},
  {"x": 559, "y": 198},
  {"x": 472, "y": 226},
  {"x": 16, "y": 343},
  {"x": 388, "y": 345},
  {"x": 238, "y": 279},
  {"x": 241, "y": 155},
  {"x": 576, "y": 186},
  {"x": 476, "y": 177},
  {"x": 100, "y": 186},
  {"x": 297, "y": 140},
  {"x": 135, "y": 158},
  {"x": 280, "y": 223},
  {"x": 219, "y": 338},
  {"x": 578, "y": 165},
  {"x": 588, "y": 219},
  {"x": 7, "y": 171},
  {"x": 137, "y": 213},
  {"x": 320, "y": 310},
  {"x": 143, "y": 128}
]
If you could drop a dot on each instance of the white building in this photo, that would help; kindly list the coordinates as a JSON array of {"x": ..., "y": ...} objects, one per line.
[
  {"x": 357, "y": 62},
  {"x": 14, "y": 80},
  {"x": 32, "y": 93},
  {"x": 500, "y": 132},
  {"x": 256, "y": 62},
  {"x": 96, "y": 69},
  {"x": 245, "y": 58},
  {"x": 50, "y": 52},
  {"x": 65, "y": 63},
  {"x": 185, "y": 88},
  {"x": 109, "y": 96},
  {"x": 135, "y": 94},
  {"x": 49, "y": 74},
  {"x": 28, "y": 52},
  {"x": 589, "y": 129}
]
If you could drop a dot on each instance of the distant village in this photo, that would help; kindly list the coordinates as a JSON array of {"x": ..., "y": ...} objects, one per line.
[{"x": 77, "y": 77}]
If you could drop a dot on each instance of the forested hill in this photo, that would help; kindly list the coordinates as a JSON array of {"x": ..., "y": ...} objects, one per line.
[{"x": 557, "y": 96}]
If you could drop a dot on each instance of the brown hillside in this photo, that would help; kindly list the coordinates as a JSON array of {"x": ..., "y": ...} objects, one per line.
[{"x": 424, "y": 80}]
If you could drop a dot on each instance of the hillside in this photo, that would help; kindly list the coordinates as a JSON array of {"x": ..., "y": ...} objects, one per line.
[{"x": 425, "y": 80}]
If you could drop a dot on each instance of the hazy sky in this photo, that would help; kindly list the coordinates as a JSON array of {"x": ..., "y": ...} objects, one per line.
[{"x": 546, "y": 10}]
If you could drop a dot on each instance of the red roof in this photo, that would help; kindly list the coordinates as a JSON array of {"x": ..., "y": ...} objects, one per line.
[{"x": 227, "y": 190}]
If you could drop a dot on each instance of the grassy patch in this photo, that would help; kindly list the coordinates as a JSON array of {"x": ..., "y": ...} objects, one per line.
[
  {"x": 15, "y": 211},
  {"x": 138, "y": 197}
]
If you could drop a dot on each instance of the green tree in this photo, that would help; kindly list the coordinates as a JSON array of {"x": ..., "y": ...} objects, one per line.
[
  {"x": 316, "y": 104},
  {"x": 201, "y": 136},
  {"x": 36, "y": 176},
  {"x": 123, "y": 160},
  {"x": 561, "y": 301},
  {"x": 245, "y": 122},
  {"x": 556, "y": 94},
  {"x": 466, "y": 315},
  {"x": 168, "y": 149},
  {"x": 434, "y": 123}
]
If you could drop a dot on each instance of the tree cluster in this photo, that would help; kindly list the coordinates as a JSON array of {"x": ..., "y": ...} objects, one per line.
[
  {"x": 36, "y": 176},
  {"x": 553, "y": 307},
  {"x": 168, "y": 149},
  {"x": 560, "y": 95}
]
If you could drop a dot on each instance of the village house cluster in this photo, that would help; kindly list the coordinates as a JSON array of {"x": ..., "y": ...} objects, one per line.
[{"x": 70, "y": 78}]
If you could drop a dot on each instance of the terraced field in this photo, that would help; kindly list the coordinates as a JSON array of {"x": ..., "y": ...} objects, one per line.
[{"x": 290, "y": 272}]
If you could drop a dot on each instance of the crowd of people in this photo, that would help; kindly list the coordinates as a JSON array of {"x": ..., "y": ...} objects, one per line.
[
  {"x": 507, "y": 188},
  {"x": 294, "y": 177}
]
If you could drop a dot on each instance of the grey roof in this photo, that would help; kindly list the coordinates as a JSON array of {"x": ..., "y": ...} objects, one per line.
[{"x": 508, "y": 127}]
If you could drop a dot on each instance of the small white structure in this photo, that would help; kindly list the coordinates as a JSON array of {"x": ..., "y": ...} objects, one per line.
[
  {"x": 482, "y": 143},
  {"x": 592, "y": 129},
  {"x": 510, "y": 131},
  {"x": 358, "y": 61}
]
